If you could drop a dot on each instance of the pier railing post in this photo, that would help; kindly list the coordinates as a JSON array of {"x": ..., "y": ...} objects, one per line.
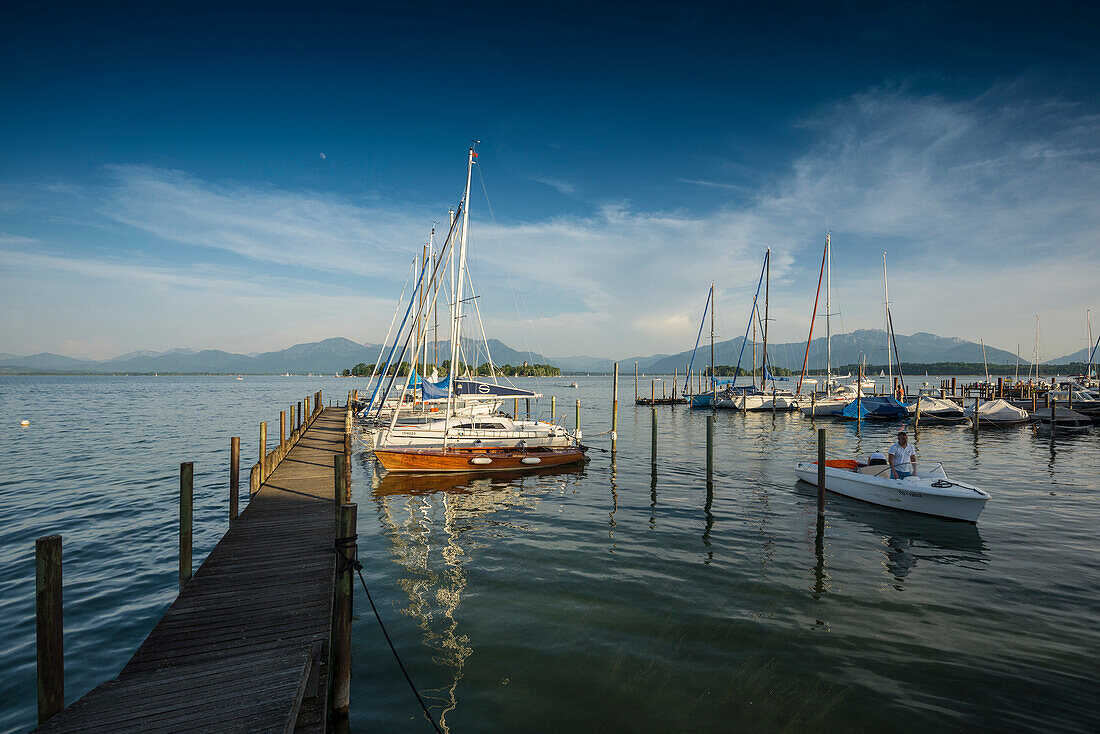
[
  {"x": 301, "y": 416},
  {"x": 615, "y": 410},
  {"x": 710, "y": 449},
  {"x": 263, "y": 452},
  {"x": 49, "y": 627},
  {"x": 187, "y": 499},
  {"x": 820, "y": 471},
  {"x": 342, "y": 613},
  {"x": 234, "y": 476}
]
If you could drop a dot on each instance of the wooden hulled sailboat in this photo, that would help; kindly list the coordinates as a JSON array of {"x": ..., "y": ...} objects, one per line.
[{"x": 463, "y": 443}]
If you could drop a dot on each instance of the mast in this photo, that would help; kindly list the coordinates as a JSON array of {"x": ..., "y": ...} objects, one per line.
[
  {"x": 713, "y": 384},
  {"x": 752, "y": 318},
  {"x": 984, "y": 362},
  {"x": 1088, "y": 324},
  {"x": 813, "y": 317},
  {"x": 886, "y": 306},
  {"x": 1017, "y": 378},
  {"x": 1035, "y": 360},
  {"x": 457, "y": 295},
  {"x": 828, "y": 311},
  {"x": 767, "y": 287}
]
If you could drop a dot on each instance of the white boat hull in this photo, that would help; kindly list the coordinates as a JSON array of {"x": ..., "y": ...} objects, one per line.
[
  {"x": 824, "y": 406},
  {"x": 959, "y": 501}
]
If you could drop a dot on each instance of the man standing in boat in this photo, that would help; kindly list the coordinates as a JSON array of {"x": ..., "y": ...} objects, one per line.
[{"x": 903, "y": 458}]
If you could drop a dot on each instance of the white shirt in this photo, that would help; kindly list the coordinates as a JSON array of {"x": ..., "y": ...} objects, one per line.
[{"x": 903, "y": 456}]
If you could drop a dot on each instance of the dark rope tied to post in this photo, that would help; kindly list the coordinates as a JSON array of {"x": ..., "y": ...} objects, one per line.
[{"x": 352, "y": 561}]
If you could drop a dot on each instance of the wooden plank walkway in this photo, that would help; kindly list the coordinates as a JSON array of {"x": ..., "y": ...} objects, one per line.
[{"x": 245, "y": 646}]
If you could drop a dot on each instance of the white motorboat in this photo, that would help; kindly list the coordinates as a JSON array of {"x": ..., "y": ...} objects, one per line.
[
  {"x": 998, "y": 413},
  {"x": 929, "y": 491},
  {"x": 1063, "y": 419}
]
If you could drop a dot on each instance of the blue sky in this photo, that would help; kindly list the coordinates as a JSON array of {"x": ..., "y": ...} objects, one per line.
[{"x": 162, "y": 183}]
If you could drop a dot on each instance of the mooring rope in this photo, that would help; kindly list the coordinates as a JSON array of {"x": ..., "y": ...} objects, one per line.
[{"x": 353, "y": 562}]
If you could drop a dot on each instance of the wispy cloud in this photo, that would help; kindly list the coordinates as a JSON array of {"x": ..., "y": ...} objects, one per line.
[
  {"x": 562, "y": 187},
  {"x": 987, "y": 207}
]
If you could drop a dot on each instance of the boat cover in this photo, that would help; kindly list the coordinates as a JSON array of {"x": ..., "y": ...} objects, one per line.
[
  {"x": 876, "y": 407},
  {"x": 932, "y": 406},
  {"x": 473, "y": 388},
  {"x": 998, "y": 410}
]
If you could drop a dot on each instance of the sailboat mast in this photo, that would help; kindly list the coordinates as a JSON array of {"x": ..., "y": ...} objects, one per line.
[
  {"x": 752, "y": 317},
  {"x": 1036, "y": 358},
  {"x": 985, "y": 363},
  {"x": 767, "y": 288},
  {"x": 828, "y": 311},
  {"x": 1088, "y": 325},
  {"x": 713, "y": 385},
  {"x": 1017, "y": 378},
  {"x": 456, "y": 325},
  {"x": 886, "y": 307}
]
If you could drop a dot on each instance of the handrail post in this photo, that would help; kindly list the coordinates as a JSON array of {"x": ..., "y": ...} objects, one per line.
[
  {"x": 49, "y": 627},
  {"x": 187, "y": 500},
  {"x": 263, "y": 452},
  {"x": 234, "y": 475},
  {"x": 342, "y": 613}
]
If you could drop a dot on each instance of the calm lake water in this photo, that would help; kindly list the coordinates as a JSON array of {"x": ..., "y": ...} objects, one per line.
[{"x": 602, "y": 598}]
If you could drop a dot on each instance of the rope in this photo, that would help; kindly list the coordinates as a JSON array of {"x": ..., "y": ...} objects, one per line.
[{"x": 347, "y": 562}]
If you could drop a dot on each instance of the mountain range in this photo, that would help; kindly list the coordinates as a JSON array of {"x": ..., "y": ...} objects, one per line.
[{"x": 334, "y": 355}]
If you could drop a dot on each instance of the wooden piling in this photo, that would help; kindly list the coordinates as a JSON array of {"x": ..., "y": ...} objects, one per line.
[
  {"x": 263, "y": 452},
  {"x": 49, "y": 626},
  {"x": 553, "y": 407},
  {"x": 820, "y": 472},
  {"x": 300, "y": 417},
  {"x": 578, "y": 419},
  {"x": 1053, "y": 414},
  {"x": 340, "y": 686},
  {"x": 635, "y": 382},
  {"x": 652, "y": 392},
  {"x": 615, "y": 410},
  {"x": 1034, "y": 402},
  {"x": 528, "y": 401},
  {"x": 515, "y": 408},
  {"x": 710, "y": 449},
  {"x": 234, "y": 475},
  {"x": 340, "y": 479},
  {"x": 977, "y": 418},
  {"x": 813, "y": 405},
  {"x": 916, "y": 415},
  {"x": 292, "y": 424},
  {"x": 653, "y": 442},
  {"x": 282, "y": 427},
  {"x": 187, "y": 513},
  {"x": 952, "y": 386}
]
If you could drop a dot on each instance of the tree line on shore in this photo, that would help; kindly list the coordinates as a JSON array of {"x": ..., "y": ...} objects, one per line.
[{"x": 444, "y": 369}]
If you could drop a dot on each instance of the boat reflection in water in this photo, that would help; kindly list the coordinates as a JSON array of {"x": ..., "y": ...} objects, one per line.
[
  {"x": 432, "y": 521},
  {"x": 906, "y": 537}
]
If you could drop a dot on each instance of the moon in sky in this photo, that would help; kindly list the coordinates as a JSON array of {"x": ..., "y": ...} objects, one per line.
[{"x": 322, "y": 156}]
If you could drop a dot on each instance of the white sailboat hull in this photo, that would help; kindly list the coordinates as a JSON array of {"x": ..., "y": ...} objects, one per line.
[{"x": 956, "y": 500}]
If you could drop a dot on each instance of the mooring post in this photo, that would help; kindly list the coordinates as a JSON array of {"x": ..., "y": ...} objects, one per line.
[
  {"x": 615, "y": 410},
  {"x": 635, "y": 382},
  {"x": 515, "y": 408},
  {"x": 1069, "y": 397},
  {"x": 653, "y": 442},
  {"x": 282, "y": 427},
  {"x": 916, "y": 415},
  {"x": 234, "y": 475},
  {"x": 187, "y": 511},
  {"x": 773, "y": 398},
  {"x": 49, "y": 627},
  {"x": 528, "y": 401},
  {"x": 292, "y": 421},
  {"x": 652, "y": 391},
  {"x": 820, "y": 472},
  {"x": 342, "y": 614},
  {"x": 553, "y": 407},
  {"x": 1034, "y": 401},
  {"x": 308, "y": 414},
  {"x": 299, "y": 417},
  {"x": 339, "y": 479},
  {"x": 977, "y": 406},
  {"x": 710, "y": 449},
  {"x": 263, "y": 452},
  {"x": 347, "y": 453},
  {"x": 813, "y": 405},
  {"x": 578, "y": 419}
]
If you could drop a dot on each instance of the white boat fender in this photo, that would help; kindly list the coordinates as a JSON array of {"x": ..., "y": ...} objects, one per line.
[
  {"x": 530, "y": 460},
  {"x": 481, "y": 460},
  {"x": 578, "y": 434},
  {"x": 614, "y": 436}
]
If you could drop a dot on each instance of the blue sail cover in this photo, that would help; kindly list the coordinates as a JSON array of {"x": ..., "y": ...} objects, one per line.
[
  {"x": 768, "y": 376},
  {"x": 473, "y": 388},
  {"x": 435, "y": 390},
  {"x": 875, "y": 407}
]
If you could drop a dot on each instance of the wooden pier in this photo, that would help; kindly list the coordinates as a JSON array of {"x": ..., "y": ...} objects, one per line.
[{"x": 252, "y": 643}]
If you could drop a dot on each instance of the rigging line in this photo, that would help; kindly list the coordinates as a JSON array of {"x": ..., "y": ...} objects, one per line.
[
  {"x": 508, "y": 274},
  {"x": 396, "y": 308}
]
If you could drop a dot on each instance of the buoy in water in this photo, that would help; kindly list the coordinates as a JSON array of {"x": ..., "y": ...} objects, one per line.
[{"x": 25, "y": 423}]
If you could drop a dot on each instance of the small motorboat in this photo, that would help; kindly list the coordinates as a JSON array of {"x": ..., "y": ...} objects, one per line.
[
  {"x": 1063, "y": 419},
  {"x": 929, "y": 491},
  {"x": 999, "y": 413},
  {"x": 937, "y": 410}
]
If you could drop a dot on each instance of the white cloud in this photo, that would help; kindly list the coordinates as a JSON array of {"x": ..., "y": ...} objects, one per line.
[{"x": 987, "y": 207}]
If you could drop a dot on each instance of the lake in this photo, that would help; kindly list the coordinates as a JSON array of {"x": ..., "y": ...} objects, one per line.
[{"x": 604, "y": 597}]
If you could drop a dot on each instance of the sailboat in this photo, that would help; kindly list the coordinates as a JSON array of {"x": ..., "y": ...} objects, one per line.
[
  {"x": 463, "y": 443},
  {"x": 832, "y": 399}
]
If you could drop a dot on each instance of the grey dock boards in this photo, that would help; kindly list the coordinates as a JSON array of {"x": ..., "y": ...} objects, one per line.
[{"x": 245, "y": 645}]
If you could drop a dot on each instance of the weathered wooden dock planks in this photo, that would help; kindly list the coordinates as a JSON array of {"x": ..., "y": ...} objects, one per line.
[{"x": 245, "y": 646}]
